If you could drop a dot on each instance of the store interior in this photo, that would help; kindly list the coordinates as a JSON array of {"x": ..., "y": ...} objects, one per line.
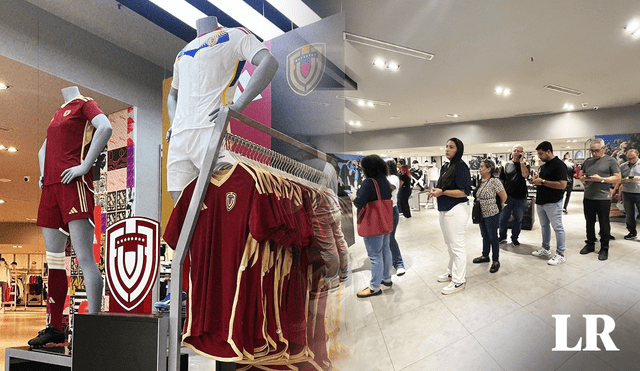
[{"x": 455, "y": 63}]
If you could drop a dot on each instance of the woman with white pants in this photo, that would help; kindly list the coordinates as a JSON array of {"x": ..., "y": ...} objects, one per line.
[{"x": 454, "y": 185}]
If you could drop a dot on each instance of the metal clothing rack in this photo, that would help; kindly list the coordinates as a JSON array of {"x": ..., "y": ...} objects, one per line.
[{"x": 210, "y": 160}]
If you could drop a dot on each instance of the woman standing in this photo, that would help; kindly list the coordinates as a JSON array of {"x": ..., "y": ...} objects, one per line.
[
  {"x": 451, "y": 191},
  {"x": 486, "y": 193},
  {"x": 405, "y": 191},
  {"x": 395, "y": 182},
  {"x": 378, "y": 249}
]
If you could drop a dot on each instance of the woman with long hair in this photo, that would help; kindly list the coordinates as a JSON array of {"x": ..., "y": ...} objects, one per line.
[
  {"x": 405, "y": 191},
  {"x": 377, "y": 247},
  {"x": 394, "y": 180},
  {"x": 454, "y": 185}
]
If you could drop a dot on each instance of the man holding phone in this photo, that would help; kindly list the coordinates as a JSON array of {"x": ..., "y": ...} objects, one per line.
[
  {"x": 599, "y": 172},
  {"x": 631, "y": 191},
  {"x": 513, "y": 175}
]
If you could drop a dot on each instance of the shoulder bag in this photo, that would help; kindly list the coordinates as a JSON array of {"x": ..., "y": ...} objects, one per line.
[{"x": 376, "y": 217}]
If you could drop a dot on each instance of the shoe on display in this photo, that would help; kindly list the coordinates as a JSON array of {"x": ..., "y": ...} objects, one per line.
[
  {"x": 444, "y": 277},
  {"x": 452, "y": 288},
  {"x": 481, "y": 259},
  {"x": 400, "y": 271},
  {"x": 515, "y": 242},
  {"x": 387, "y": 283},
  {"x": 603, "y": 254},
  {"x": 541, "y": 252},
  {"x": 166, "y": 302},
  {"x": 50, "y": 335},
  {"x": 587, "y": 249},
  {"x": 557, "y": 260},
  {"x": 494, "y": 267},
  {"x": 631, "y": 236},
  {"x": 366, "y": 292}
]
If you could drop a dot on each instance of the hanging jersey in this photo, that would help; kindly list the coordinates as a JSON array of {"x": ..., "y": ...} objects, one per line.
[
  {"x": 68, "y": 138},
  {"x": 205, "y": 73}
]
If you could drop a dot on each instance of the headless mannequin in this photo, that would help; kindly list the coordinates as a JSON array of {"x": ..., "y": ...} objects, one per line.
[
  {"x": 266, "y": 67},
  {"x": 81, "y": 230}
]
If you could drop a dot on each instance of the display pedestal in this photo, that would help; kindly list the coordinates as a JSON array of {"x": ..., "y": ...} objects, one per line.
[{"x": 45, "y": 359}]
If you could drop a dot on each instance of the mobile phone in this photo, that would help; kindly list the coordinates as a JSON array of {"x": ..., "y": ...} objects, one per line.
[
  {"x": 347, "y": 191},
  {"x": 630, "y": 176}
]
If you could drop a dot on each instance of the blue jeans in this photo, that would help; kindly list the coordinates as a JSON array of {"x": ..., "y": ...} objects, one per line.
[
  {"x": 631, "y": 202},
  {"x": 517, "y": 207},
  {"x": 380, "y": 257},
  {"x": 550, "y": 216},
  {"x": 489, "y": 231},
  {"x": 396, "y": 256}
]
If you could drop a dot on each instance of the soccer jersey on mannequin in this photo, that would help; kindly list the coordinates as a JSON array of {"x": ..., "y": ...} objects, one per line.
[
  {"x": 204, "y": 78},
  {"x": 78, "y": 132}
]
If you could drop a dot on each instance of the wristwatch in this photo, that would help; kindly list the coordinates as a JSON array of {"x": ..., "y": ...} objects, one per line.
[{"x": 543, "y": 181}]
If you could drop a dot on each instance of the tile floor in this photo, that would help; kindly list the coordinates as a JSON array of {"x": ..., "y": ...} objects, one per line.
[{"x": 501, "y": 321}]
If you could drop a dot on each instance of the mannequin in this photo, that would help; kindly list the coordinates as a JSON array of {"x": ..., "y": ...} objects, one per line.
[
  {"x": 188, "y": 129},
  {"x": 66, "y": 205}
]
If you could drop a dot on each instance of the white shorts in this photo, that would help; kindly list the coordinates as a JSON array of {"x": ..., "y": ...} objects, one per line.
[{"x": 186, "y": 152}]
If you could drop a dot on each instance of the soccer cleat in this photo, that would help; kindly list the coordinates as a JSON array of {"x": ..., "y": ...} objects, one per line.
[
  {"x": 557, "y": 260},
  {"x": 444, "y": 277},
  {"x": 452, "y": 288},
  {"x": 165, "y": 303},
  {"x": 50, "y": 335},
  {"x": 541, "y": 252}
]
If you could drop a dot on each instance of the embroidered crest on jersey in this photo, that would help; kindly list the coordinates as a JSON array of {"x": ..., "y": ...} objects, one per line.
[
  {"x": 218, "y": 37},
  {"x": 66, "y": 113},
  {"x": 231, "y": 200},
  {"x": 305, "y": 68}
]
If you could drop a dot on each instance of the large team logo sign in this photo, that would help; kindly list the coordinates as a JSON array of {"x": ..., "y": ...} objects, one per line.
[
  {"x": 132, "y": 258},
  {"x": 305, "y": 68}
]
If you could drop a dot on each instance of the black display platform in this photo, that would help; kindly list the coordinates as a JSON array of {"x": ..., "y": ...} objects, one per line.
[{"x": 45, "y": 359}]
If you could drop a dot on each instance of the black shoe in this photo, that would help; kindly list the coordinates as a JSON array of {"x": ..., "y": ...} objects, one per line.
[
  {"x": 631, "y": 236},
  {"x": 494, "y": 267},
  {"x": 515, "y": 242},
  {"x": 50, "y": 335},
  {"x": 611, "y": 237},
  {"x": 603, "y": 254},
  {"x": 481, "y": 259},
  {"x": 502, "y": 240},
  {"x": 587, "y": 249},
  {"x": 387, "y": 283}
]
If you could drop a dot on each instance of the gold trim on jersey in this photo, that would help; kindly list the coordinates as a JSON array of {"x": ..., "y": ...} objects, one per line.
[
  {"x": 82, "y": 197},
  {"x": 224, "y": 92}
]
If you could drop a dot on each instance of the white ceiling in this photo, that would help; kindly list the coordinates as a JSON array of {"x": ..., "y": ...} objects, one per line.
[{"x": 478, "y": 45}]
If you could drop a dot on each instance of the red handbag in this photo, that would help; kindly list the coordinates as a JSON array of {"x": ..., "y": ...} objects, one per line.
[{"x": 376, "y": 217}]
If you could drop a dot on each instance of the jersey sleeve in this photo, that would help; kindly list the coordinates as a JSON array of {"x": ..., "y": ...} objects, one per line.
[
  {"x": 263, "y": 221},
  {"x": 175, "y": 82},
  {"x": 249, "y": 45},
  {"x": 90, "y": 109}
]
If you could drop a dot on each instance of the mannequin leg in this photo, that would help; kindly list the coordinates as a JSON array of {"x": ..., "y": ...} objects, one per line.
[
  {"x": 81, "y": 232},
  {"x": 54, "y": 242}
]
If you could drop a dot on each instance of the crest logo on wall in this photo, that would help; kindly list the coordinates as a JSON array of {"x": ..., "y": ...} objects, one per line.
[
  {"x": 132, "y": 258},
  {"x": 305, "y": 68}
]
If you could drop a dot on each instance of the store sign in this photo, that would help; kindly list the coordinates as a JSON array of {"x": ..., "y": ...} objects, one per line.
[
  {"x": 132, "y": 260},
  {"x": 305, "y": 67}
]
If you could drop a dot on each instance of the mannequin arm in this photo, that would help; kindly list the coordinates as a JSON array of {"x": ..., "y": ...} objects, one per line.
[
  {"x": 41, "y": 155},
  {"x": 100, "y": 139},
  {"x": 172, "y": 102}
]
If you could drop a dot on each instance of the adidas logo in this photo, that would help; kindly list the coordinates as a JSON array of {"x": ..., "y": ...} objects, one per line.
[
  {"x": 73, "y": 211},
  {"x": 204, "y": 207},
  {"x": 51, "y": 301}
]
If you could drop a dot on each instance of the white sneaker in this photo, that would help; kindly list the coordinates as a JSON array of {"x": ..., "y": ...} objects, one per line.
[
  {"x": 444, "y": 277},
  {"x": 452, "y": 288},
  {"x": 400, "y": 271},
  {"x": 557, "y": 259},
  {"x": 541, "y": 252}
]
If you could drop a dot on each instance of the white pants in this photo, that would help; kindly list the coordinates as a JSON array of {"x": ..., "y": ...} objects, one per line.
[{"x": 453, "y": 224}]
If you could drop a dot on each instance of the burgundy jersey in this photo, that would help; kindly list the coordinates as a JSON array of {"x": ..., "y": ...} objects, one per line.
[{"x": 68, "y": 138}]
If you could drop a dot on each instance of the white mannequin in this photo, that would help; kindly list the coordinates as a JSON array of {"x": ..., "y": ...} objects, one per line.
[
  {"x": 266, "y": 67},
  {"x": 81, "y": 230}
]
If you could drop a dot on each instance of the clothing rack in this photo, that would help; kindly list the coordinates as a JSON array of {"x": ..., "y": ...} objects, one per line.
[{"x": 250, "y": 150}]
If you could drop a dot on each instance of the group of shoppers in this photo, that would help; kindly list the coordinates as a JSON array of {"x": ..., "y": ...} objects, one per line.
[{"x": 500, "y": 199}]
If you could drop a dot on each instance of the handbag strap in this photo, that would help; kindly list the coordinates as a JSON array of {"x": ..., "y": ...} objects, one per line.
[{"x": 375, "y": 183}]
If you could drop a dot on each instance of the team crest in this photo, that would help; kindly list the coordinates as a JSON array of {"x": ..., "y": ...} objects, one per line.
[
  {"x": 231, "y": 200},
  {"x": 219, "y": 36},
  {"x": 131, "y": 259},
  {"x": 66, "y": 113},
  {"x": 305, "y": 68}
]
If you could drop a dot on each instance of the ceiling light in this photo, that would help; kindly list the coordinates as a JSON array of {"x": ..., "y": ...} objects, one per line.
[
  {"x": 575, "y": 140},
  {"x": 393, "y": 66},
  {"x": 361, "y": 102},
  {"x": 351, "y": 123},
  {"x": 633, "y": 28},
  {"x": 369, "y": 104},
  {"x": 568, "y": 140},
  {"x": 297, "y": 11},
  {"x": 12, "y": 149},
  {"x": 378, "y": 63},
  {"x": 452, "y": 115},
  {"x": 1, "y": 201},
  {"x": 246, "y": 15},
  {"x": 506, "y": 92},
  {"x": 386, "y": 46},
  {"x": 4, "y": 180},
  {"x": 394, "y": 117},
  {"x": 498, "y": 90},
  {"x": 562, "y": 89},
  {"x": 568, "y": 106},
  {"x": 358, "y": 123},
  {"x": 3, "y": 86},
  {"x": 182, "y": 10},
  {"x": 2, "y": 147}
]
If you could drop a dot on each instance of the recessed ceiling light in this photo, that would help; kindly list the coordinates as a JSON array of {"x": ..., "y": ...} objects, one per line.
[
  {"x": 370, "y": 104},
  {"x": 498, "y": 90},
  {"x": 12, "y": 149},
  {"x": 394, "y": 117},
  {"x": 568, "y": 140},
  {"x": 2, "y": 147},
  {"x": 358, "y": 123},
  {"x": 361, "y": 102},
  {"x": 506, "y": 92},
  {"x": 1, "y": 201},
  {"x": 633, "y": 28},
  {"x": 452, "y": 115},
  {"x": 568, "y": 106},
  {"x": 378, "y": 62},
  {"x": 351, "y": 123},
  {"x": 575, "y": 140},
  {"x": 393, "y": 66},
  {"x": 3, "y": 180},
  {"x": 3, "y": 86}
]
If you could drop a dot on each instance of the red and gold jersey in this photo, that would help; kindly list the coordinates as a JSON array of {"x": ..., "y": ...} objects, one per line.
[{"x": 68, "y": 138}]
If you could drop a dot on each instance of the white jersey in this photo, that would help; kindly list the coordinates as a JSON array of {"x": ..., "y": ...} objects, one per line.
[{"x": 205, "y": 74}]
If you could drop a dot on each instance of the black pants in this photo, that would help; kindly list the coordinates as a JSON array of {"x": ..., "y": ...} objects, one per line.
[
  {"x": 568, "y": 194},
  {"x": 600, "y": 208},
  {"x": 403, "y": 202}
]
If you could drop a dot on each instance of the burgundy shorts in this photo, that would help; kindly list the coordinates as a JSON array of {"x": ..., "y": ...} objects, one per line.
[{"x": 62, "y": 203}]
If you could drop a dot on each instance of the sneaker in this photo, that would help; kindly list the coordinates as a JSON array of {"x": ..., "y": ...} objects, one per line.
[
  {"x": 557, "y": 260},
  {"x": 50, "y": 335},
  {"x": 502, "y": 240},
  {"x": 494, "y": 267},
  {"x": 587, "y": 249},
  {"x": 444, "y": 277},
  {"x": 481, "y": 259},
  {"x": 565, "y": 211},
  {"x": 400, "y": 271},
  {"x": 631, "y": 236},
  {"x": 387, "y": 283},
  {"x": 542, "y": 252},
  {"x": 515, "y": 242},
  {"x": 166, "y": 302},
  {"x": 452, "y": 288},
  {"x": 366, "y": 292}
]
